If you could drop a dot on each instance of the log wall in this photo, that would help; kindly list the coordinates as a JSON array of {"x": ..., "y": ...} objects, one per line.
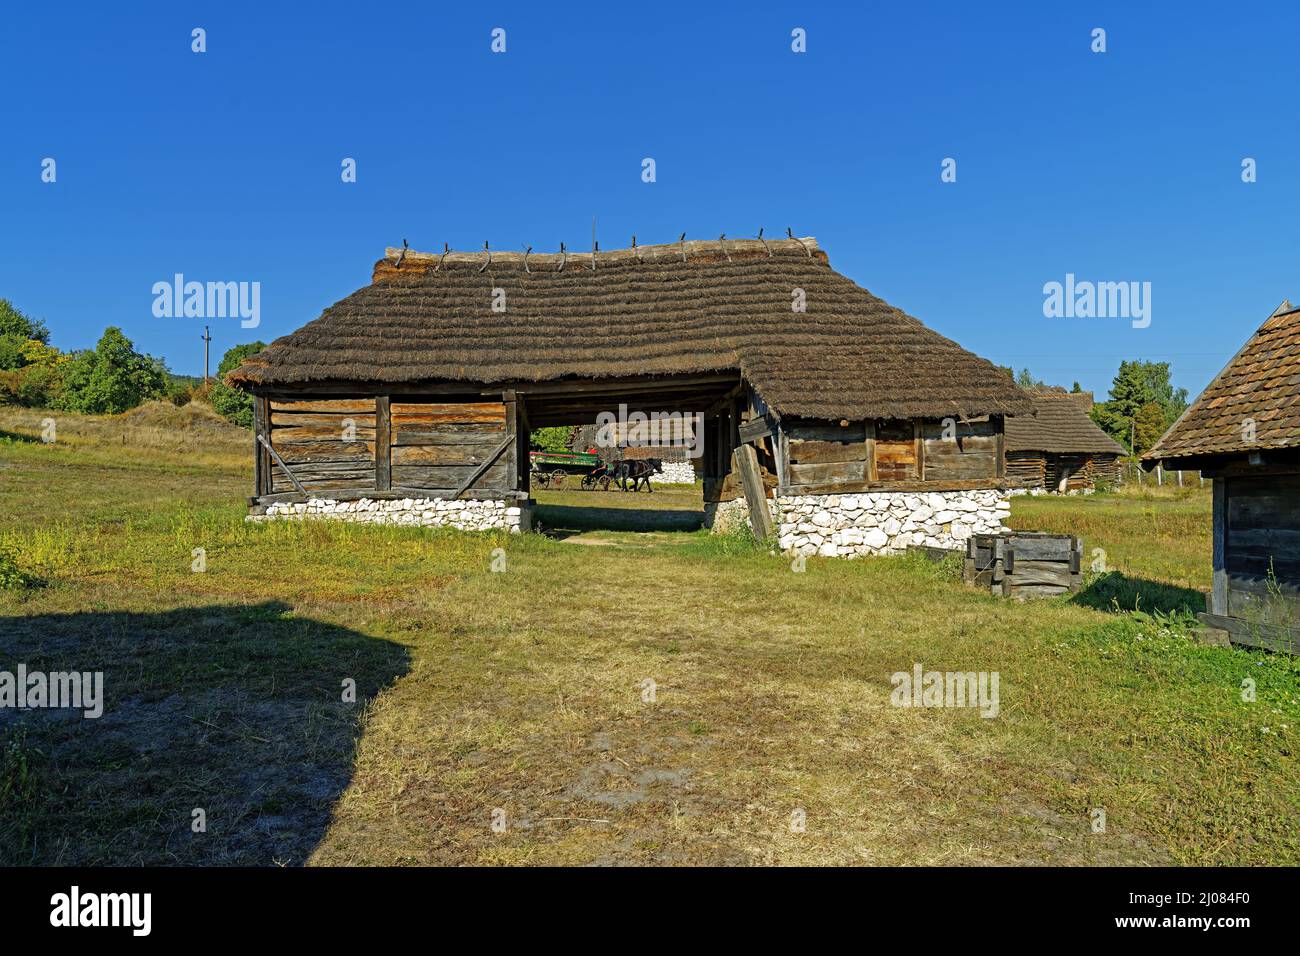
[
  {"x": 826, "y": 457},
  {"x": 349, "y": 445},
  {"x": 327, "y": 444}
]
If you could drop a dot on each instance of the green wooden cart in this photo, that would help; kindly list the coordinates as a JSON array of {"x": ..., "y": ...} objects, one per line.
[{"x": 550, "y": 469}]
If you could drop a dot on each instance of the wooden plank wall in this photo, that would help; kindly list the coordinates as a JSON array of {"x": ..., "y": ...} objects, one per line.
[
  {"x": 1262, "y": 548},
  {"x": 883, "y": 452},
  {"x": 437, "y": 445},
  {"x": 896, "y": 451},
  {"x": 328, "y": 444},
  {"x": 828, "y": 452},
  {"x": 972, "y": 454}
]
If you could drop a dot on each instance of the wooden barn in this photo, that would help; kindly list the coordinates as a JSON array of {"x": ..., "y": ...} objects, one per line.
[
  {"x": 845, "y": 421},
  {"x": 1243, "y": 431},
  {"x": 1060, "y": 448}
]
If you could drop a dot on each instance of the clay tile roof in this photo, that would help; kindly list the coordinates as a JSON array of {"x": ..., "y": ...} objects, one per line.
[
  {"x": 644, "y": 311},
  {"x": 1060, "y": 425},
  {"x": 1261, "y": 384}
]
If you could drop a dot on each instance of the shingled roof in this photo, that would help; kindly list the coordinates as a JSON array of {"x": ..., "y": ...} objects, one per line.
[
  {"x": 1261, "y": 384},
  {"x": 1060, "y": 425},
  {"x": 693, "y": 307}
]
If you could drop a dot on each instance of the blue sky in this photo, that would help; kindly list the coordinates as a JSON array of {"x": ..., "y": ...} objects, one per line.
[{"x": 1119, "y": 166}]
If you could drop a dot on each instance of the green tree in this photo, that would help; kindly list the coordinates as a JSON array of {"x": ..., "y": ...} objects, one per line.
[
  {"x": 112, "y": 377},
  {"x": 230, "y": 402},
  {"x": 16, "y": 330},
  {"x": 550, "y": 439},
  {"x": 1137, "y": 385},
  {"x": 1027, "y": 381},
  {"x": 1148, "y": 426},
  {"x": 14, "y": 322}
]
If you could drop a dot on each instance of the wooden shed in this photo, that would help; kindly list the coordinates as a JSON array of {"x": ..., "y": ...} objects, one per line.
[
  {"x": 1243, "y": 431},
  {"x": 1059, "y": 447},
  {"x": 423, "y": 385}
]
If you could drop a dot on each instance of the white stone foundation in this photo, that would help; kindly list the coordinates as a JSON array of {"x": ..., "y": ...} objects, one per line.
[
  {"x": 878, "y": 522},
  {"x": 675, "y": 473},
  {"x": 468, "y": 515}
]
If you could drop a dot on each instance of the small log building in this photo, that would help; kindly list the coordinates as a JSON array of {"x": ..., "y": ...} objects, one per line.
[{"x": 1059, "y": 447}]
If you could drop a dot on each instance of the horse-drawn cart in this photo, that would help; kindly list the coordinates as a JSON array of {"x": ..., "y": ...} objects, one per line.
[{"x": 550, "y": 469}]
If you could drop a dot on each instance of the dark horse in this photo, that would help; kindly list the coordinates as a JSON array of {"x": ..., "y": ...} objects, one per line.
[{"x": 636, "y": 471}]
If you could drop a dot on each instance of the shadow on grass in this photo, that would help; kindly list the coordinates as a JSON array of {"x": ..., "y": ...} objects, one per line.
[
  {"x": 563, "y": 520},
  {"x": 8, "y": 436},
  {"x": 1115, "y": 591},
  {"x": 235, "y": 710}
]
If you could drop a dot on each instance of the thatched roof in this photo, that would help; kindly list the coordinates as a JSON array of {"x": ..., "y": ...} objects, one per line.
[
  {"x": 1060, "y": 425},
  {"x": 1260, "y": 385},
  {"x": 726, "y": 307}
]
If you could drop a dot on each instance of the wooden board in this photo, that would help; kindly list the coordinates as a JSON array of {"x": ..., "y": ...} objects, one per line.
[
  {"x": 972, "y": 453},
  {"x": 840, "y": 471},
  {"x": 335, "y": 406},
  {"x": 434, "y": 414},
  {"x": 466, "y": 453},
  {"x": 336, "y": 422},
  {"x": 804, "y": 452},
  {"x": 361, "y": 452},
  {"x": 450, "y": 476}
]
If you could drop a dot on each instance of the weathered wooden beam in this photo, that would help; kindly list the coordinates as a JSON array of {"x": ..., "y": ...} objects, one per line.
[
  {"x": 755, "y": 495},
  {"x": 512, "y": 435},
  {"x": 754, "y": 430},
  {"x": 280, "y": 461},
  {"x": 870, "y": 430},
  {"x": 1219, "y": 537},
  {"x": 383, "y": 443}
]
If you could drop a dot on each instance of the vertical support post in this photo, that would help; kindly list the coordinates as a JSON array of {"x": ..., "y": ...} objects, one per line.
[
  {"x": 870, "y": 429},
  {"x": 523, "y": 433},
  {"x": 512, "y": 432},
  {"x": 918, "y": 443},
  {"x": 383, "y": 444},
  {"x": 261, "y": 459},
  {"x": 1219, "y": 595},
  {"x": 1000, "y": 466}
]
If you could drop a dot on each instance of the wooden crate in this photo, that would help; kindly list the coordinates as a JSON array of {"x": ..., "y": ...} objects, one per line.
[{"x": 1024, "y": 564}]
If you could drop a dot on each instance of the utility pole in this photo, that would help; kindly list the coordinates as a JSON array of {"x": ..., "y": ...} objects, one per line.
[{"x": 207, "y": 337}]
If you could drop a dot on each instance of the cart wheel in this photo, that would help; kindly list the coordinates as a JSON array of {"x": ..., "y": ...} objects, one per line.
[
  {"x": 557, "y": 477},
  {"x": 588, "y": 482}
]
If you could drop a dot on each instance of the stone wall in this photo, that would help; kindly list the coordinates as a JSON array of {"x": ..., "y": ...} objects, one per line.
[
  {"x": 468, "y": 515},
  {"x": 675, "y": 472},
  {"x": 878, "y": 522}
]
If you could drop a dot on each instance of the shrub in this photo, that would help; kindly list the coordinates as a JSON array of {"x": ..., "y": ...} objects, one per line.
[
  {"x": 233, "y": 404},
  {"x": 13, "y": 577},
  {"x": 112, "y": 378}
]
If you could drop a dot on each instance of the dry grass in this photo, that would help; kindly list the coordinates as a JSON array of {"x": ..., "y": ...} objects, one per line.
[{"x": 522, "y": 692}]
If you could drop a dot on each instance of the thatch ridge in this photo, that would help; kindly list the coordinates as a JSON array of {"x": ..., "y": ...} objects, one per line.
[{"x": 849, "y": 355}]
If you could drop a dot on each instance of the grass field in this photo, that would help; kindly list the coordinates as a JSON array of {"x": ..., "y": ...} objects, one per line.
[{"x": 522, "y": 696}]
